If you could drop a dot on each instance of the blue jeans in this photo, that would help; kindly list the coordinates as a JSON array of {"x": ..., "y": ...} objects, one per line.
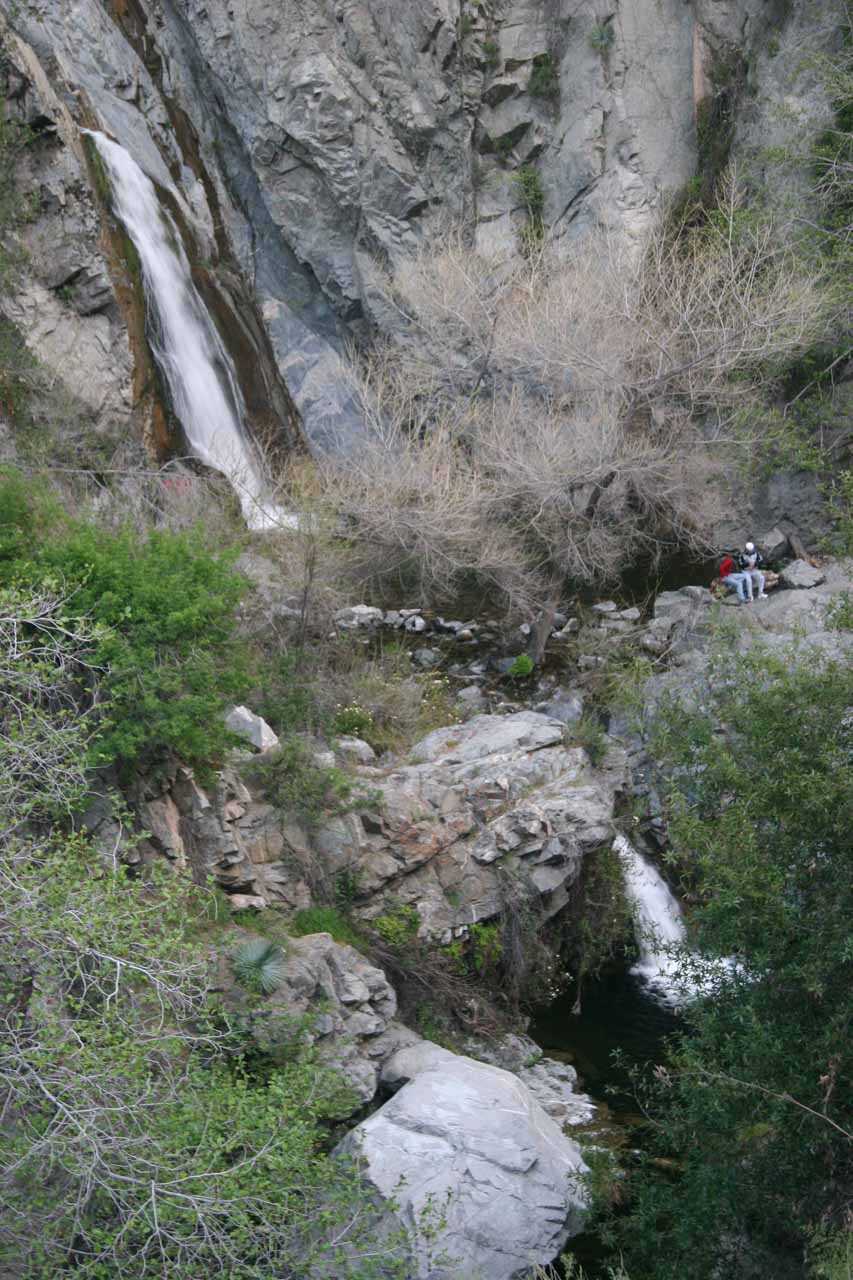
[
  {"x": 756, "y": 576},
  {"x": 738, "y": 580}
]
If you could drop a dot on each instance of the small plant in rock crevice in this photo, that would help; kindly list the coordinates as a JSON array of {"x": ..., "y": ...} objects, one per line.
[
  {"x": 544, "y": 78},
  {"x": 259, "y": 966},
  {"x": 602, "y": 37}
]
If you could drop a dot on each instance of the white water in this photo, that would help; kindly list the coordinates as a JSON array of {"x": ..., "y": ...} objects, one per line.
[
  {"x": 658, "y": 923},
  {"x": 672, "y": 971},
  {"x": 187, "y": 347}
]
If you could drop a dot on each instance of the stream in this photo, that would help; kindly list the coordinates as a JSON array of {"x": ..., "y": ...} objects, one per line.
[{"x": 631, "y": 1010}]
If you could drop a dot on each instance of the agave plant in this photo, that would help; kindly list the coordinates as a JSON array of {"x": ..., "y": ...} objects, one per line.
[{"x": 259, "y": 965}]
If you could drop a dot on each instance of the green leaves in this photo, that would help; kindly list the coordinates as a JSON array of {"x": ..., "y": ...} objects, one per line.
[
  {"x": 166, "y": 661},
  {"x": 259, "y": 965},
  {"x": 759, "y": 1093}
]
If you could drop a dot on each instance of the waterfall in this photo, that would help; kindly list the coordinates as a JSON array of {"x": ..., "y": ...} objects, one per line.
[
  {"x": 186, "y": 345},
  {"x": 672, "y": 971},
  {"x": 658, "y": 923}
]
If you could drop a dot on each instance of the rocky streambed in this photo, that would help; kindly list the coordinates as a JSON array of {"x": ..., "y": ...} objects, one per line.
[{"x": 488, "y": 1142}]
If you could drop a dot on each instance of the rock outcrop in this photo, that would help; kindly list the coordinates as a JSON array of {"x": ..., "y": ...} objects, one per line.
[
  {"x": 467, "y": 1160},
  {"x": 495, "y": 806},
  {"x": 340, "y": 1001}
]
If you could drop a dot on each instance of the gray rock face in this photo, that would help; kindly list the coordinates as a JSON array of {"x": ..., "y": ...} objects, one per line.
[
  {"x": 334, "y": 139},
  {"x": 800, "y": 575},
  {"x": 465, "y": 1150},
  {"x": 63, "y": 303},
  {"x": 497, "y": 794},
  {"x": 353, "y": 1004}
]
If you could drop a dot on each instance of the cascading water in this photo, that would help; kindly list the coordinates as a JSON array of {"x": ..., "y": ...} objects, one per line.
[
  {"x": 658, "y": 921},
  {"x": 186, "y": 346},
  {"x": 667, "y": 966}
]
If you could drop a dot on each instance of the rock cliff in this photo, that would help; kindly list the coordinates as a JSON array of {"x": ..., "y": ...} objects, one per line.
[{"x": 308, "y": 146}]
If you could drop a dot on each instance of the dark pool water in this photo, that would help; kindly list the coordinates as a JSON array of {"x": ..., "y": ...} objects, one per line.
[{"x": 616, "y": 1013}]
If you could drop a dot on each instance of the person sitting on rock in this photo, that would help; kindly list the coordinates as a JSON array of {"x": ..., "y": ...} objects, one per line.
[
  {"x": 750, "y": 561},
  {"x": 731, "y": 578}
]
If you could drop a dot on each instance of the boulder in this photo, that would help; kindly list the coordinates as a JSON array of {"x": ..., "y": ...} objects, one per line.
[
  {"x": 800, "y": 575},
  {"x": 347, "y": 1006},
  {"x": 355, "y": 749},
  {"x": 774, "y": 544},
  {"x": 471, "y": 698},
  {"x": 495, "y": 797},
  {"x": 358, "y": 616},
  {"x": 246, "y": 724},
  {"x": 565, "y": 706},
  {"x": 466, "y": 1159},
  {"x": 426, "y": 658}
]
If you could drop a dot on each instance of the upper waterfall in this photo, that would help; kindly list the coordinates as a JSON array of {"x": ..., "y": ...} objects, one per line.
[{"x": 185, "y": 342}]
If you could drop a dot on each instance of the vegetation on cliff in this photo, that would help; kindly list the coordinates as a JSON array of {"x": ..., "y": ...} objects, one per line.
[{"x": 750, "y": 1159}]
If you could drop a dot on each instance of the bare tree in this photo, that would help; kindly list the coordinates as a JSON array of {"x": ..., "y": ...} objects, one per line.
[{"x": 549, "y": 419}]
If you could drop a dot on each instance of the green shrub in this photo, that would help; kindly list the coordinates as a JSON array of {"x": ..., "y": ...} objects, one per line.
[
  {"x": 398, "y": 926},
  {"x": 532, "y": 194},
  {"x": 602, "y": 37},
  {"x": 288, "y": 698},
  {"x": 590, "y": 734},
  {"x": 840, "y": 501},
  {"x": 167, "y": 661},
  {"x": 486, "y": 948},
  {"x": 523, "y": 666},
  {"x": 300, "y": 787},
  {"x": 326, "y": 919},
  {"x": 491, "y": 53},
  {"x": 544, "y": 77},
  {"x": 354, "y": 721},
  {"x": 759, "y": 1072},
  {"x": 259, "y": 966}
]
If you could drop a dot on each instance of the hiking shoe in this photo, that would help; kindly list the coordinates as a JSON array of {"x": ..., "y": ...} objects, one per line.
[{"x": 762, "y": 595}]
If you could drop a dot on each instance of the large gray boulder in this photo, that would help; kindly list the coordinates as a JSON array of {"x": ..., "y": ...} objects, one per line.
[
  {"x": 800, "y": 575},
  {"x": 465, "y": 1158}
]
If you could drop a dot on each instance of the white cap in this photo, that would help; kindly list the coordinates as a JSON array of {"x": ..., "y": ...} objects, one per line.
[{"x": 750, "y": 546}]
